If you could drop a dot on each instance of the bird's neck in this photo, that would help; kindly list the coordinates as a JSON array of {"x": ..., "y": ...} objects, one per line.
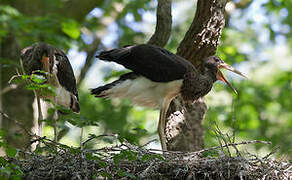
[{"x": 208, "y": 73}]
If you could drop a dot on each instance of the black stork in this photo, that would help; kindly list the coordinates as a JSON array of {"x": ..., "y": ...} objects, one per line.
[
  {"x": 45, "y": 57},
  {"x": 158, "y": 76}
]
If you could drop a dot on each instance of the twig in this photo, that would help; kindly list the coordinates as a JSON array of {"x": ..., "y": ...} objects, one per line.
[
  {"x": 219, "y": 135},
  {"x": 89, "y": 59},
  {"x": 216, "y": 147},
  {"x": 149, "y": 142},
  {"x": 96, "y": 137},
  {"x": 233, "y": 120},
  {"x": 81, "y": 137},
  {"x": 236, "y": 149},
  {"x": 8, "y": 88},
  {"x": 55, "y": 118},
  {"x": 271, "y": 153},
  {"x": 39, "y": 139},
  {"x": 13, "y": 77},
  {"x": 22, "y": 126}
]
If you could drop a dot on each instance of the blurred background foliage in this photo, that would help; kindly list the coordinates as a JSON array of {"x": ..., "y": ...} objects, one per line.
[{"x": 257, "y": 40}]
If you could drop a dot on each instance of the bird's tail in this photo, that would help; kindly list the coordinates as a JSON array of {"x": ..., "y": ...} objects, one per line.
[
  {"x": 74, "y": 104},
  {"x": 101, "y": 92},
  {"x": 117, "y": 88},
  {"x": 114, "y": 54}
]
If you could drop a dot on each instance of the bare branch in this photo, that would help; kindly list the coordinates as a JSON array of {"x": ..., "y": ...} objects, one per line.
[
  {"x": 8, "y": 88},
  {"x": 89, "y": 59},
  {"x": 163, "y": 25},
  {"x": 20, "y": 124}
]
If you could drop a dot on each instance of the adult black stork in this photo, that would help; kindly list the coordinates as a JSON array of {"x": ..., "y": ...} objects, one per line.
[
  {"x": 45, "y": 57},
  {"x": 158, "y": 76}
]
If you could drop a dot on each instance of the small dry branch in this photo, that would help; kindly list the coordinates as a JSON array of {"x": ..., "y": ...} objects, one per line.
[{"x": 126, "y": 161}]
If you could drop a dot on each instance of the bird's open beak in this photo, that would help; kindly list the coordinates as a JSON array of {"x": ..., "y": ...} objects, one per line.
[{"x": 221, "y": 77}]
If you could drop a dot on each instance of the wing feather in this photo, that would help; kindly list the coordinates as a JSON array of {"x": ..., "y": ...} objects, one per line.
[
  {"x": 153, "y": 62},
  {"x": 65, "y": 72}
]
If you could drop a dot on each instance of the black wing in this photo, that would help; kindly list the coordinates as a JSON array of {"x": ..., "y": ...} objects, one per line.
[
  {"x": 153, "y": 62},
  {"x": 65, "y": 72}
]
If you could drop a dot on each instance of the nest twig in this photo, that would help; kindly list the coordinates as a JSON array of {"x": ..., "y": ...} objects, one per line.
[{"x": 126, "y": 161}]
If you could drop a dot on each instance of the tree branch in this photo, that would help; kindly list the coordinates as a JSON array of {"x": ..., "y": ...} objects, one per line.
[
  {"x": 203, "y": 37},
  {"x": 184, "y": 123},
  {"x": 163, "y": 25},
  {"x": 89, "y": 59}
]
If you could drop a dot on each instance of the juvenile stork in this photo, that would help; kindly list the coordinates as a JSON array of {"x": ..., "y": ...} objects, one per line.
[
  {"x": 158, "y": 76},
  {"x": 42, "y": 56}
]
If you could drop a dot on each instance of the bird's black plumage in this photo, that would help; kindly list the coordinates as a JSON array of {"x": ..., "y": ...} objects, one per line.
[
  {"x": 66, "y": 76},
  {"x": 159, "y": 76},
  {"x": 153, "y": 62}
]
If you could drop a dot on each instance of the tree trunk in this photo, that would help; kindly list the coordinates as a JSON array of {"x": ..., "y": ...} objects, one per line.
[
  {"x": 17, "y": 103},
  {"x": 184, "y": 124}
]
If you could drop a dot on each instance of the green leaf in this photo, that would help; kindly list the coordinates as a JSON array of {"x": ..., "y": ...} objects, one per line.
[
  {"x": 9, "y": 10},
  {"x": 38, "y": 78},
  {"x": 16, "y": 177},
  {"x": 117, "y": 158},
  {"x": 121, "y": 173},
  {"x": 71, "y": 28},
  {"x": 130, "y": 175},
  {"x": 11, "y": 152},
  {"x": 146, "y": 157},
  {"x": 105, "y": 174},
  {"x": 102, "y": 164},
  {"x": 3, "y": 161}
]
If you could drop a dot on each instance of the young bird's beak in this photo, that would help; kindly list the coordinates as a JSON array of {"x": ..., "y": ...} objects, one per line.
[
  {"x": 221, "y": 77},
  {"x": 46, "y": 63}
]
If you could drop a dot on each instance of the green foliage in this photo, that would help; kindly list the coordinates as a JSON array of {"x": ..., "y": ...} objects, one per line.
[
  {"x": 125, "y": 155},
  {"x": 8, "y": 170},
  {"x": 119, "y": 117},
  {"x": 71, "y": 28}
]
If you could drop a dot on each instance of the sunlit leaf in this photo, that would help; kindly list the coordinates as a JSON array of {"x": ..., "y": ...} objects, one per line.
[
  {"x": 10, "y": 152},
  {"x": 71, "y": 28}
]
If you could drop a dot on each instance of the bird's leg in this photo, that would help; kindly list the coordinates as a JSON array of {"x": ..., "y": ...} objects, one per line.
[
  {"x": 40, "y": 114},
  {"x": 40, "y": 117},
  {"x": 161, "y": 124},
  {"x": 81, "y": 137},
  {"x": 55, "y": 117}
]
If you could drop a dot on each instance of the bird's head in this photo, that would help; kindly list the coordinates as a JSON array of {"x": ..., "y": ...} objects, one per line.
[
  {"x": 212, "y": 66},
  {"x": 42, "y": 52}
]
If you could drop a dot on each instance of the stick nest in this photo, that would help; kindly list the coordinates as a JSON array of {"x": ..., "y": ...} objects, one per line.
[{"x": 126, "y": 161}]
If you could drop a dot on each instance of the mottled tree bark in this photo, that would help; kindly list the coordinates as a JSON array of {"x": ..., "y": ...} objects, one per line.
[{"x": 184, "y": 127}]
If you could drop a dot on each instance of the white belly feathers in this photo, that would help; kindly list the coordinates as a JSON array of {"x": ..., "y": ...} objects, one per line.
[{"x": 144, "y": 92}]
